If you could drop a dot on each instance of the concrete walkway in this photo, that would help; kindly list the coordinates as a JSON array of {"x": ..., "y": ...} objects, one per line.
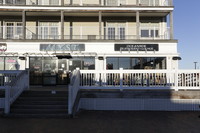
[{"x": 108, "y": 122}]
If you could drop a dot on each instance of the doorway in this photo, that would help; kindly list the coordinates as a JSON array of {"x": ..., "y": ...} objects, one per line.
[{"x": 48, "y": 71}]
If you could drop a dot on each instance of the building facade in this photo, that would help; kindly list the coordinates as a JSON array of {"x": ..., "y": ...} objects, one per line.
[{"x": 53, "y": 37}]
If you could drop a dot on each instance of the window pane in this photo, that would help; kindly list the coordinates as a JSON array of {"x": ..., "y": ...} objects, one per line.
[
  {"x": 124, "y": 63},
  {"x": 144, "y": 33},
  {"x": 88, "y": 63},
  {"x": 112, "y": 63},
  {"x": 11, "y": 63}
]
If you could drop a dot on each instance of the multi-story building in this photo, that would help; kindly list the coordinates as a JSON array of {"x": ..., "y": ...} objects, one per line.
[{"x": 52, "y": 37}]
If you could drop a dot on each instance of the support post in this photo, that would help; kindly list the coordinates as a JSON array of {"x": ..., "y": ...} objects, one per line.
[
  {"x": 62, "y": 25},
  {"x": 7, "y": 100},
  {"x": 137, "y": 2},
  {"x": 171, "y": 25},
  {"x": 62, "y": 2},
  {"x": 24, "y": 24},
  {"x": 138, "y": 24},
  {"x": 100, "y": 28}
]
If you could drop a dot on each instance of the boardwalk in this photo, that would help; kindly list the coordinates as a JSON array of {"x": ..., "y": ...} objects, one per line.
[{"x": 108, "y": 122}]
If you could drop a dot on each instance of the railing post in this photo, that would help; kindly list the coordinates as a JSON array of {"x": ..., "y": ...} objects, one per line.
[
  {"x": 176, "y": 80},
  {"x": 70, "y": 100},
  {"x": 121, "y": 79},
  {"x": 7, "y": 100},
  {"x": 27, "y": 78}
]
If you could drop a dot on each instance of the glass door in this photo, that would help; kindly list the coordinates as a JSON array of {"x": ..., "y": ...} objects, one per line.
[
  {"x": 49, "y": 71},
  {"x": 62, "y": 74}
]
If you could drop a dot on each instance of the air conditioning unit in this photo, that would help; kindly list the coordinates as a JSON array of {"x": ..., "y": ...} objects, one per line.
[{"x": 16, "y": 36}]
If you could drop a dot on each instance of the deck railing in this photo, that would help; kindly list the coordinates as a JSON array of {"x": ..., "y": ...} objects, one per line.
[
  {"x": 84, "y": 33},
  {"x": 87, "y": 2},
  {"x": 13, "y": 83},
  {"x": 140, "y": 79}
]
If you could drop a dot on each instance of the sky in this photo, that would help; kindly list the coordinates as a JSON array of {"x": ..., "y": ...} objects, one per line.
[{"x": 187, "y": 31}]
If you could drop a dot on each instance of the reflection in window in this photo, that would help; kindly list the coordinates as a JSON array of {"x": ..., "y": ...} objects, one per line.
[
  {"x": 84, "y": 63},
  {"x": 11, "y": 63},
  {"x": 136, "y": 63}
]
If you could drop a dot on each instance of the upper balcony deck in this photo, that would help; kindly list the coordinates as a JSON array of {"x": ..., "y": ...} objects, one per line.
[{"x": 90, "y": 3}]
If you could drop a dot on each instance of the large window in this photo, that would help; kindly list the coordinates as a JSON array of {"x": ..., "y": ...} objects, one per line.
[
  {"x": 136, "y": 63},
  {"x": 48, "y": 30},
  {"x": 84, "y": 63}
]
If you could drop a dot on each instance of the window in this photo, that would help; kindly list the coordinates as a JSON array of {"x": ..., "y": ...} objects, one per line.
[
  {"x": 136, "y": 63},
  {"x": 116, "y": 30},
  {"x": 13, "y": 30},
  {"x": 48, "y": 30},
  {"x": 84, "y": 63}
]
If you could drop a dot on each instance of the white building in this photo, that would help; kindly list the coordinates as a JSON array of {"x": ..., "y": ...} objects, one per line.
[{"x": 53, "y": 37}]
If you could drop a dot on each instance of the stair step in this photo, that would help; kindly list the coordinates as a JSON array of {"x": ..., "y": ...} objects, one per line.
[
  {"x": 42, "y": 99},
  {"x": 39, "y": 111},
  {"x": 39, "y": 106},
  {"x": 41, "y": 102},
  {"x": 18, "y": 115}
]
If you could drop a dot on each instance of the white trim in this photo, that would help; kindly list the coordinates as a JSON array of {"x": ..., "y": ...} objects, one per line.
[{"x": 90, "y": 8}]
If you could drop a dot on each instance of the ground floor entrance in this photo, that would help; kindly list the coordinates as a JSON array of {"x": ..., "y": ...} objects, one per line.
[{"x": 49, "y": 71}]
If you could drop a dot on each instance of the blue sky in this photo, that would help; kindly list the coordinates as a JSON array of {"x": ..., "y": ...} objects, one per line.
[{"x": 187, "y": 31}]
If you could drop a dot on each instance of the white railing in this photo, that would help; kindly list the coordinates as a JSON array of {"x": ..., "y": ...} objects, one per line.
[
  {"x": 140, "y": 79},
  {"x": 85, "y": 32},
  {"x": 13, "y": 84},
  {"x": 87, "y": 2},
  {"x": 74, "y": 88}
]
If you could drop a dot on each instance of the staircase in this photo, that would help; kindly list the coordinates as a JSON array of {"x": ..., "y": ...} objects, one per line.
[{"x": 41, "y": 104}]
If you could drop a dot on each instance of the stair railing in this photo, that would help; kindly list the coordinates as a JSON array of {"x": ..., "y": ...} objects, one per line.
[
  {"x": 74, "y": 88},
  {"x": 14, "y": 83}
]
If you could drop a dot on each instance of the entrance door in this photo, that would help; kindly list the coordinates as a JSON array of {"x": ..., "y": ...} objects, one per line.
[
  {"x": 48, "y": 71},
  {"x": 62, "y": 74}
]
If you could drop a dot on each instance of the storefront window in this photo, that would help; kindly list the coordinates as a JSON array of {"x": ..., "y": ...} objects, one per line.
[
  {"x": 11, "y": 63},
  {"x": 136, "y": 63},
  {"x": 86, "y": 63},
  {"x": 1, "y": 63}
]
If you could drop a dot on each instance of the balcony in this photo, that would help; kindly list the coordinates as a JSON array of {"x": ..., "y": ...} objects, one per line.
[
  {"x": 88, "y": 33},
  {"x": 87, "y": 2}
]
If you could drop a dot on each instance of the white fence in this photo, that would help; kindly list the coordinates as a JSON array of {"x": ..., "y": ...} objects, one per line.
[
  {"x": 140, "y": 79},
  {"x": 12, "y": 84},
  {"x": 74, "y": 88}
]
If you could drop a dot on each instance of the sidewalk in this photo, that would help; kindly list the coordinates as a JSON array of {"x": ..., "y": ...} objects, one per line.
[{"x": 108, "y": 122}]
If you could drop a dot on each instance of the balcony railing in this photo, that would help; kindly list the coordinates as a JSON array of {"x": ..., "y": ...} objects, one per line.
[
  {"x": 84, "y": 33},
  {"x": 88, "y": 2}
]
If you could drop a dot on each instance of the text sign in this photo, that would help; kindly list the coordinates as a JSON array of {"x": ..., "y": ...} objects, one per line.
[
  {"x": 136, "y": 47},
  {"x": 62, "y": 47}
]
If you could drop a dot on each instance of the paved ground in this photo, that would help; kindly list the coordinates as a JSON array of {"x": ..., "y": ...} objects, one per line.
[{"x": 108, "y": 122}]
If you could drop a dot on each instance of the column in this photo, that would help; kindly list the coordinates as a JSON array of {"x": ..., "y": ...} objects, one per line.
[
  {"x": 100, "y": 2},
  {"x": 24, "y": 24},
  {"x": 62, "y": 24},
  {"x": 62, "y": 2},
  {"x": 138, "y": 25},
  {"x": 71, "y": 2},
  {"x": 2, "y": 29},
  {"x": 171, "y": 25},
  {"x": 100, "y": 27},
  {"x": 137, "y": 2}
]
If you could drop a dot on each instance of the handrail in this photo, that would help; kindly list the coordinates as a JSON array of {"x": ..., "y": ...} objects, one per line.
[
  {"x": 14, "y": 87},
  {"x": 74, "y": 96}
]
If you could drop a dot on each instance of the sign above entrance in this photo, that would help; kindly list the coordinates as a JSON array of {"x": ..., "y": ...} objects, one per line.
[
  {"x": 3, "y": 46},
  {"x": 62, "y": 47},
  {"x": 136, "y": 47}
]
